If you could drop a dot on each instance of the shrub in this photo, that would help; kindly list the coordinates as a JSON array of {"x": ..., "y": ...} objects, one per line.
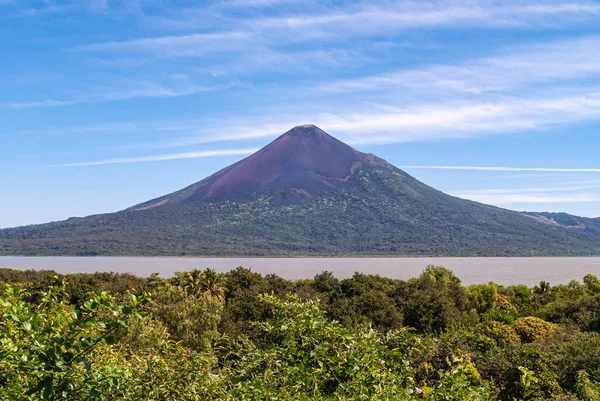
[
  {"x": 501, "y": 333},
  {"x": 53, "y": 351},
  {"x": 531, "y": 329}
]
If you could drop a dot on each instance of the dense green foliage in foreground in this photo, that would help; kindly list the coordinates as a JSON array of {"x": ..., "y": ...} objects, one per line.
[
  {"x": 383, "y": 211},
  {"x": 243, "y": 336}
]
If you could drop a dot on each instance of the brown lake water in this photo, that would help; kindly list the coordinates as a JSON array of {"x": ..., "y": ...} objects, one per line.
[{"x": 505, "y": 271}]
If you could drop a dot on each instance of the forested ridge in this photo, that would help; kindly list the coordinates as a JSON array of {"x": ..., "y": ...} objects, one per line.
[{"x": 242, "y": 336}]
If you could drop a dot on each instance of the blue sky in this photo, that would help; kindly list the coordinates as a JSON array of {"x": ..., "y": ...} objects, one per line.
[{"x": 108, "y": 103}]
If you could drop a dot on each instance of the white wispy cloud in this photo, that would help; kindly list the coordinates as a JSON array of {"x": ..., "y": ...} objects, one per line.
[
  {"x": 563, "y": 60},
  {"x": 222, "y": 133},
  {"x": 260, "y": 3},
  {"x": 174, "y": 86},
  {"x": 40, "y": 103},
  {"x": 43, "y": 11},
  {"x": 367, "y": 19},
  {"x": 572, "y": 186},
  {"x": 393, "y": 124},
  {"x": 176, "y": 46},
  {"x": 568, "y": 192},
  {"x": 574, "y": 193},
  {"x": 171, "y": 156},
  {"x": 507, "y": 169},
  {"x": 514, "y": 199},
  {"x": 559, "y": 8},
  {"x": 429, "y": 122},
  {"x": 244, "y": 33}
]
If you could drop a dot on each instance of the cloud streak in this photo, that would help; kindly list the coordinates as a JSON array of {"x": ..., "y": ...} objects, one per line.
[
  {"x": 175, "y": 46},
  {"x": 171, "y": 156},
  {"x": 370, "y": 19},
  {"x": 514, "y": 199},
  {"x": 435, "y": 122},
  {"x": 362, "y": 19},
  {"x": 576, "y": 192},
  {"x": 40, "y": 103},
  {"x": 564, "y": 60},
  {"x": 170, "y": 87},
  {"x": 393, "y": 125}
]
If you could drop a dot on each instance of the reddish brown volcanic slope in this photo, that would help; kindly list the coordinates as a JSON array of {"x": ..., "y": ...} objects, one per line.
[{"x": 302, "y": 163}]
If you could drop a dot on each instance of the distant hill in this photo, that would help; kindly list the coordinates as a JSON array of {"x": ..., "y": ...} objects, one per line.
[
  {"x": 567, "y": 221},
  {"x": 307, "y": 193}
]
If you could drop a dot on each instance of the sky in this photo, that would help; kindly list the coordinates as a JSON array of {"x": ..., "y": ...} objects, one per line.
[{"x": 108, "y": 103}]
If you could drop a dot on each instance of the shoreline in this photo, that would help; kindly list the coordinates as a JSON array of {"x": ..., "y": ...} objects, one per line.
[{"x": 471, "y": 270}]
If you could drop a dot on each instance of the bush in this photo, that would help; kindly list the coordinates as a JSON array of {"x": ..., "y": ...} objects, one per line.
[
  {"x": 53, "y": 351},
  {"x": 503, "y": 334},
  {"x": 531, "y": 329}
]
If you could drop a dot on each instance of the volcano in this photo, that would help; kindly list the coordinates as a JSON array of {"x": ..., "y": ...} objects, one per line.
[
  {"x": 309, "y": 194},
  {"x": 302, "y": 163}
]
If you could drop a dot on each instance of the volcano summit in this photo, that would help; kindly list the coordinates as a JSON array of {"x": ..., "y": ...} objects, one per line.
[{"x": 307, "y": 193}]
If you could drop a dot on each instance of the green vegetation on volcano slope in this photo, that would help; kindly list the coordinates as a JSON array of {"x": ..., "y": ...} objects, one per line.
[
  {"x": 382, "y": 212},
  {"x": 207, "y": 336}
]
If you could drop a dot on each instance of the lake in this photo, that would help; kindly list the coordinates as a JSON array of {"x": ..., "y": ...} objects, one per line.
[{"x": 505, "y": 271}]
